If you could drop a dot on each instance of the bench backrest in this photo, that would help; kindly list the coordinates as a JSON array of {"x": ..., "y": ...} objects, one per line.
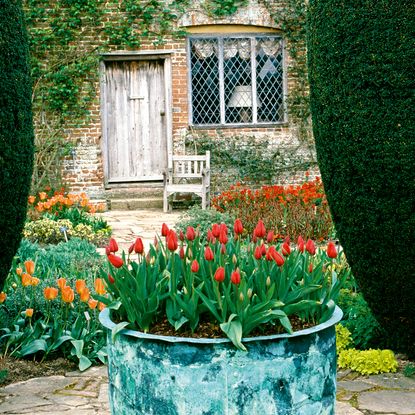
[{"x": 189, "y": 166}]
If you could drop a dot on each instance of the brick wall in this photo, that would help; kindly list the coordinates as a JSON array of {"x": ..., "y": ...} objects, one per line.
[{"x": 84, "y": 171}]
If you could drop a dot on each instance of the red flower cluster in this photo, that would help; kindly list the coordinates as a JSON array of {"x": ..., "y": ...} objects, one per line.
[{"x": 290, "y": 211}]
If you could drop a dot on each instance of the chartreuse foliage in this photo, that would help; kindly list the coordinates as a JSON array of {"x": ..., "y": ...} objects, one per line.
[
  {"x": 366, "y": 362},
  {"x": 16, "y": 130},
  {"x": 362, "y": 82}
]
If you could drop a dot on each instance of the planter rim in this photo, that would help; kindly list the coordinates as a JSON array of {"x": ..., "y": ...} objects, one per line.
[{"x": 104, "y": 318}]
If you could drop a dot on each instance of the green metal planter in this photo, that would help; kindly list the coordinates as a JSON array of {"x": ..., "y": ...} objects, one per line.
[{"x": 280, "y": 374}]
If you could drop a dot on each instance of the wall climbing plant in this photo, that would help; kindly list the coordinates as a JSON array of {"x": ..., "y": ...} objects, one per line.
[{"x": 67, "y": 36}]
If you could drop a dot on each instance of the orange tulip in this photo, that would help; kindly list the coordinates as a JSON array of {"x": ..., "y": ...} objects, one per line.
[
  {"x": 26, "y": 279},
  {"x": 101, "y": 306},
  {"x": 84, "y": 294},
  {"x": 32, "y": 199},
  {"x": 50, "y": 293},
  {"x": 19, "y": 271},
  {"x": 68, "y": 294},
  {"x": 29, "y": 312},
  {"x": 79, "y": 285},
  {"x": 43, "y": 195},
  {"x": 30, "y": 266},
  {"x": 34, "y": 281},
  {"x": 61, "y": 283},
  {"x": 3, "y": 297},
  {"x": 99, "y": 286},
  {"x": 92, "y": 303}
]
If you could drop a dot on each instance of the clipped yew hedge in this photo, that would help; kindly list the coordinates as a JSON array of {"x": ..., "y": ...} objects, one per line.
[
  {"x": 16, "y": 131},
  {"x": 361, "y": 55}
]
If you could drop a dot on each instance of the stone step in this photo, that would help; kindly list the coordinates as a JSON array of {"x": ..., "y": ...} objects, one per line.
[
  {"x": 135, "y": 203},
  {"x": 135, "y": 192}
]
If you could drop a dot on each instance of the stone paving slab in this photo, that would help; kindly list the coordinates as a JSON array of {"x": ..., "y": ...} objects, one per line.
[{"x": 395, "y": 401}]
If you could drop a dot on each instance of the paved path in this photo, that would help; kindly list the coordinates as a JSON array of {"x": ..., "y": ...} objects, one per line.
[{"x": 87, "y": 393}]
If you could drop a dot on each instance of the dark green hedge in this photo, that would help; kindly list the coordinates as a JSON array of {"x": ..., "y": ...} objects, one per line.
[
  {"x": 16, "y": 130},
  {"x": 362, "y": 78}
]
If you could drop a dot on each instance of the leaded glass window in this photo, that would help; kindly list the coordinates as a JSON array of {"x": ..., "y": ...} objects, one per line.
[{"x": 236, "y": 80}]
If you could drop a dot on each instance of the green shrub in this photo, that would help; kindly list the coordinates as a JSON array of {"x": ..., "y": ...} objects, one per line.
[
  {"x": 359, "y": 319},
  {"x": 16, "y": 130},
  {"x": 362, "y": 83}
]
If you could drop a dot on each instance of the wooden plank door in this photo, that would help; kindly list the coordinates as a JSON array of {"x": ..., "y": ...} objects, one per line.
[{"x": 135, "y": 120}]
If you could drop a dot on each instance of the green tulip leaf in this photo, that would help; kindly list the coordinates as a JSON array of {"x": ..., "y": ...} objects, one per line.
[
  {"x": 233, "y": 329},
  {"x": 38, "y": 345}
]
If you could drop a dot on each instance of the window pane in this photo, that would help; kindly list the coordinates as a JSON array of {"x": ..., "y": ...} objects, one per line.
[
  {"x": 205, "y": 81},
  {"x": 269, "y": 74},
  {"x": 237, "y": 80}
]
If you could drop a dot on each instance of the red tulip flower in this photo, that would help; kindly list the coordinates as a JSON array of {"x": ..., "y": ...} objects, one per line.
[
  {"x": 190, "y": 233},
  {"x": 331, "y": 250},
  {"x": 181, "y": 252},
  {"x": 270, "y": 237},
  {"x": 263, "y": 250},
  {"x": 181, "y": 235},
  {"x": 111, "y": 279},
  {"x": 130, "y": 249},
  {"x": 210, "y": 238},
  {"x": 238, "y": 227},
  {"x": 216, "y": 230},
  {"x": 223, "y": 249},
  {"x": 272, "y": 254},
  {"x": 113, "y": 246},
  {"x": 115, "y": 260},
  {"x": 258, "y": 253},
  {"x": 208, "y": 254},
  {"x": 195, "y": 266},
  {"x": 285, "y": 249},
  {"x": 220, "y": 274},
  {"x": 236, "y": 277},
  {"x": 171, "y": 240},
  {"x": 164, "y": 230},
  {"x": 260, "y": 230},
  {"x": 310, "y": 247},
  {"x": 138, "y": 246},
  {"x": 223, "y": 237},
  {"x": 300, "y": 244}
]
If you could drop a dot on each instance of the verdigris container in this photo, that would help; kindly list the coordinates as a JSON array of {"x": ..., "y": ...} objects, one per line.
[{"x": 280, "y": 374}]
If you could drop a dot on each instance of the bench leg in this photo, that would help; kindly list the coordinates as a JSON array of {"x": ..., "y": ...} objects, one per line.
[
  {"x": 165, "y": 202},
  {"x": 203, "y": 200}
]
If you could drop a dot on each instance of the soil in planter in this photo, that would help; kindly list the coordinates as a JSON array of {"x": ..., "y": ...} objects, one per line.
[{"x": 208, "y": 329}]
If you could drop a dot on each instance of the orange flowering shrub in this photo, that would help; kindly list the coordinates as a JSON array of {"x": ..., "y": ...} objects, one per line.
[
  {"x": 286, "y": 210},
  {"x": 42, "y": 203}
]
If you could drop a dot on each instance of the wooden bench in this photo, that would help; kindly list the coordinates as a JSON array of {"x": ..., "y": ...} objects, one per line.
[{"x": 187, "y": 174}]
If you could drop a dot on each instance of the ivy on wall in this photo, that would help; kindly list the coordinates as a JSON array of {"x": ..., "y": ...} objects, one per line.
[{"x": 66, "y": 37}]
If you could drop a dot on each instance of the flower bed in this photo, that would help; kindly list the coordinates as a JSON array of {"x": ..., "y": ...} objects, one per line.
[{"x": 287, "y": 211}]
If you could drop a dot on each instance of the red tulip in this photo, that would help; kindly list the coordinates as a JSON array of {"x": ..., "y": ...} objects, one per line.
[
  {"x": 260, "y": 230},
  {"x": 130, "y": 249},
  {"x": 164, "y": 230},
  {"x": 216, "y": 230},
  {"x": 270, "y": 237},
  {"x": 258, "y": 253},
  {"x": 310, "y": 268},
  {"x": 220, "y": 274},
  {"x": 107, "y": 250},
  {"x": 285, "y": 249},
  {"x": 210, "y": 238},
  {"x": 272, "y": 254},
  {"x": 223, "y": 228},
  {"x": 113, "y": 246},
  {"x": 236, "y": 277},
  {"x": 287, "y": 240},
  {"x": 223, "y": 249},
  {"x": 171, "y": 240},
  {"x": 263, "y": 250},
  {"x": 238, "y": 227},
  {"x": 331, "y": 250},
  {"x": 138, "y": 246},
  {"x": 208, "y": 253},
  {"x": 195, "y": 266},
  {"x": 181, "y": 252},
  {"x": 190, "y": 233},
  {"x": 181, "y": 235},
  {"x": 310, "y": 247},
  {"x": 300, "y": 244},
  {"x": 115, "y": 260},
  {"x": 111, "y": 279},
  {"x": 223, "y": 237}
]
